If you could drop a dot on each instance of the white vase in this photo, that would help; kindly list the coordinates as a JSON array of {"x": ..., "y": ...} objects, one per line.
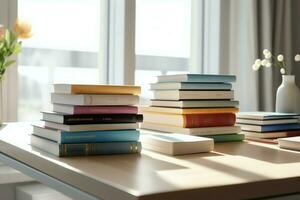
[{"x": 288, "y": 96}]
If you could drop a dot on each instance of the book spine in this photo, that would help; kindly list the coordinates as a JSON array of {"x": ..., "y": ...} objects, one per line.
[
  {"x": 105, "y": 110},
  {"x": 100, "y": 119},
  {"x": 99, "y": 136},
  {"x": 108, "y": 148},
  {"x": 209, "y": 120},
  {"x": 227, "y": 138}
]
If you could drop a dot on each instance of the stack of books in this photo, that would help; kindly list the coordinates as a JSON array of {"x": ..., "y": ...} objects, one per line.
[
  {"x": 195, "y": 104},
  {"x": 268, "y": 126},
  {"x": 90, "y": 120}
]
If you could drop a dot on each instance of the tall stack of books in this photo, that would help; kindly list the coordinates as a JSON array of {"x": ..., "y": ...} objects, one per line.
[
  {"x": 90, "y": 120},
  {"x": 268, "y": 126},
  {"x": 194, "y": 104}
]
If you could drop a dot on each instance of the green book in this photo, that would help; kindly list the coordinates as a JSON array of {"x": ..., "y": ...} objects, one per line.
[{"x": 227, "y": 137}]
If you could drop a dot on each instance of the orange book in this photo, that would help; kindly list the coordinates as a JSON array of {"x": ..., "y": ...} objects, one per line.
[
  {"x": 96, "y": 89},
  {"x": 187, "y": 110},
  {"x": 191, "y": 120}
]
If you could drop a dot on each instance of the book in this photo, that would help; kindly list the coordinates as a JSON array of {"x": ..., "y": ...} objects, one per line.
[
  {"x": 91, "y": 127},
  {"x": 270, "y": 128},
  {"x": 90, "y": 118},
  {"x": 267, "y": 122},
  {"x": 96, "y": 89},
  {"x": 227, "y": 138},
  {"x": 65, "y": 137},
  {"x": 191, "y": 120},
  {"x": 75, "y": 110},
  {"x": 167, "y": 110},
  {"x": 269, "y": 135},
  {"x": 203, "y": 78},
  {"x": 266, "y": 115},
  {"x": 175, "y": 144},
  {"x": 190, "y": 86},
  {"x": 192, "y": 131},
  {"x": 94, "y": 100},
  {"x": 191, "y": 94},
  {"x": 85, "y": 149},
  {"x": 195, "y": 103},
  {"x": 264, "y": 140},
  {"x": 292, "y": 143}
]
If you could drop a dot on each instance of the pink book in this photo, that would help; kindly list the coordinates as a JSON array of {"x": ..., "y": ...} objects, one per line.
[{"x": 68, "y": 109}]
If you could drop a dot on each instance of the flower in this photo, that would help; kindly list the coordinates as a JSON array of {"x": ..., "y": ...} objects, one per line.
[
  {"x": 266, "y": 51},
  {"x": 257, "y": 63},
  {"x": 282, "y": 71},
  {"x": 297, "y": 57},
  {"x": 280, "y": 57},
  {"x": 2, "y": 31},
  {"x": 255, "y": 67},
  {"x": 268, "y": 55},
  {"x": 269, "y": 64},
  {"x": 23, "y": 29},
  {"x": 264, "y": 62}
]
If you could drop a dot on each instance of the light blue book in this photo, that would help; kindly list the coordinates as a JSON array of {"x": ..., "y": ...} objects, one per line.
[
  {"x": 65, "y": 137},
  {"x": 191, "y": 86},
  {"x": 202, "y": 78},
  {"x": 85, "y": 149}
]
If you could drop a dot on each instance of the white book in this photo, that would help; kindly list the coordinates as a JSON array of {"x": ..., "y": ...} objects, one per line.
[
  {"x": 175, "y": 144},
  {"x": 195, "y": 103},
  {"x": 266, "y": 115},
  {"x": 190, "y": 86},
  {"x": 192, "y": 131},
  {"x": 91, "y": 127},
  {"x": 90, "y": 99},
  {"x": 278, "y": 134},
  {"x": 292, "y": 143},
  {"x": 179, "y": 94},
  {"x": 267, "y": 122}
]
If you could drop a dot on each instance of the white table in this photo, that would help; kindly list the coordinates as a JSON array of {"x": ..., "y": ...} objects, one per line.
[{"x": 234, "y": 170}]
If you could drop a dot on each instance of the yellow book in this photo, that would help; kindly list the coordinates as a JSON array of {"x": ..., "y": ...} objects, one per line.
[
  {"x": 187, "y": 110},
  {"x": 96, "y": 89}
]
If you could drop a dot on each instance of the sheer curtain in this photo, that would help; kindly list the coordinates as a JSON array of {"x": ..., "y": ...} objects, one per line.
[{"x": 242, "y": 30}]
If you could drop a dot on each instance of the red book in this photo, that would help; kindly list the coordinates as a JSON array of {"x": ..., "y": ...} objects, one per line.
[{"x": 73, "y": 110}]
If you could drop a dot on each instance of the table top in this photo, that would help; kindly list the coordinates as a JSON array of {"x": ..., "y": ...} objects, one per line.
[{"x": 235, "y": 170}]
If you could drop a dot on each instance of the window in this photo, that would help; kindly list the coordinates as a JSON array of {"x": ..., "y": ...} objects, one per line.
[
  {"x": 162, "y": 40},
  {"x": 64, "y": 48}
]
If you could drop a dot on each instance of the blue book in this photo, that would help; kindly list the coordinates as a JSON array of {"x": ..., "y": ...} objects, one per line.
[
  {"x": 85, "y": 149},
  {"x": 202, "y": 78},
  {"x": 65, "y": 137},
  {"x": 270, "y": 128}
]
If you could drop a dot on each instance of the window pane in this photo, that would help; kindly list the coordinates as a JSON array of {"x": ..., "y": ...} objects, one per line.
[{"x": 64, "y": 48}]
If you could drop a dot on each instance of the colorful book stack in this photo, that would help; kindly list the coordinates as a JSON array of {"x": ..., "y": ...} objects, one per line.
[
  {"x": 268, "y": 126},
  {"x": 195, "y": 104},
  {"x": 90, "y": 120}
]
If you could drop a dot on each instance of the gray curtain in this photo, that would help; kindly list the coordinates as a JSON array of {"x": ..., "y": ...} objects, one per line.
[{"x": 248, "y": 27}]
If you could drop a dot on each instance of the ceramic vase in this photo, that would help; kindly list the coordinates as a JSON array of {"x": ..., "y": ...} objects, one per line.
[{"x": 288, "y": 96}]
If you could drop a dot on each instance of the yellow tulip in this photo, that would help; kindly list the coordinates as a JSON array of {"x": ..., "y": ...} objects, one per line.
[
  {"x": 23, "y": 29},
  {"x": 2, "y": 31}
]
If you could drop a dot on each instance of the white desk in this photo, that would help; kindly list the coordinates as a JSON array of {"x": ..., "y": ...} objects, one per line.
[{"x": 232, "y": 171}]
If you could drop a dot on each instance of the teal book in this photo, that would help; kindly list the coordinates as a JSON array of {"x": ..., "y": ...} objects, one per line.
[
  {"x": 227, "y": 138},
  {"x": 202, "y": 78},
  {"x": 65, "y": 137},
  {"x": 85, "y": 149},
  {"x": 190, "y": 86}
]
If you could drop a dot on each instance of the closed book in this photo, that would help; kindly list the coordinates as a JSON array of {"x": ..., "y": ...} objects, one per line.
[
  {"x": 195, "y": 103},
  {"x": 267, "y": 122},
  {"x": 96, "y": 89},
  {"x": 266, "y": 115},
  {"x": 85, "y": 149},
  {"x": 191, "y": 120},
  {"x": 270, "y": 128},
  {"x": 204, "y": 78},
  {"x": 227, "y": 138},
  {"x": 175, "y": 144},
  {"x": 190, "y": 86},
  {"x": 191, "y": 94},
  {"x": 90, "y": 118},
  {"x": 167, "y": 110},
  {"x": 292, "y": 143},
  {"x": 192, "y": 131},
  {"x": 264, "y": 140},
  {"x": 65, "y": 137},
  {"x": 76, "y": 110},
  {"x": 94, "y": 99},
  {"x": 267, "y": 135},
  {"x": 91, "y": 127}
]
